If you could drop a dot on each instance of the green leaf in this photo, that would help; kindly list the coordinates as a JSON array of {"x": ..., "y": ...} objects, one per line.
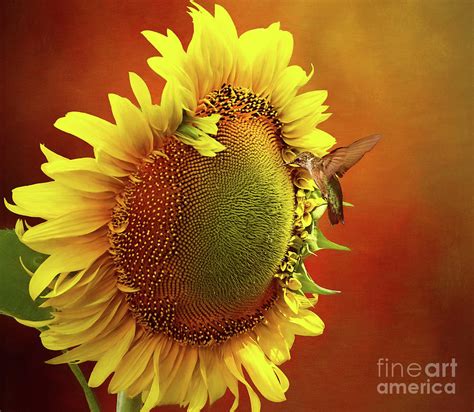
[
  {"x": 15, "y": 299},
  {"x": 318, "y": 211},
  {"x": 323, "y": 291},
  {"x": 308, "y": 285},
  {"x": 323, "y": 243},
  {"x": 347, "y": 204}
]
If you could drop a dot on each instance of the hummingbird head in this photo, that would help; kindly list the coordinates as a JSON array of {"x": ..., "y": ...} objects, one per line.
[{"x": 303, "y": 159}]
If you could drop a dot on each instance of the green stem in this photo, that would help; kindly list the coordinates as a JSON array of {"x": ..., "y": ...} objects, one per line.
[
  {"x": 125, "y": 404},
  {"x": 90, "y": 397}
]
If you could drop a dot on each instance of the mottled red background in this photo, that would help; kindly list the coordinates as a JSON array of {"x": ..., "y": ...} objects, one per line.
[{"x": 401, "y": 68}]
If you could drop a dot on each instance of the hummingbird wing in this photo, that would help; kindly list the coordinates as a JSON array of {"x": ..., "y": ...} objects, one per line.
[{"x": 340, "y": 160}]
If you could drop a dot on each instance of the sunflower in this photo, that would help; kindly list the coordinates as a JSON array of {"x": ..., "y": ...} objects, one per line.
[{"x": 176, "y": 253}]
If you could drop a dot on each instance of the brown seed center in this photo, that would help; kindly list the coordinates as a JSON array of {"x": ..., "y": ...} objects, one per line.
[{"x": 197, "y": 240}]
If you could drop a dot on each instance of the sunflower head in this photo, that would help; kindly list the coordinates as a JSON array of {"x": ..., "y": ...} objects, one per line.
[{"x": 176, "y": 254}]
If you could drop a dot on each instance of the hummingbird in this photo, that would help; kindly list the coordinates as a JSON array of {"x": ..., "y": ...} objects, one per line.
[{"x": 327, "y": 170}]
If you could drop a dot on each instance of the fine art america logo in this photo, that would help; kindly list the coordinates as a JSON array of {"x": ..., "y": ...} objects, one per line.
[{"x": 416, "y": 378}]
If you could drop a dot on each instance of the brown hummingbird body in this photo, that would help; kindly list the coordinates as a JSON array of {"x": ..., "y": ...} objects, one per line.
[{"x": 327, "y": 170}]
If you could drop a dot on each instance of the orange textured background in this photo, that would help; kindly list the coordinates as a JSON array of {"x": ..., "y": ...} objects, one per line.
[{"x": 401, "y": 68}]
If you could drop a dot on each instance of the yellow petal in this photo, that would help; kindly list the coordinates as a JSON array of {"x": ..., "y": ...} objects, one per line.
[
  {"x": 268, "y": 52},
  {"x": 277, "y": 317},
  {"x": 169, "y": 46},
  {"x": 154, "y": 394},
  {"x": 232, "y": 383},
  {"x": 52, "y": 199},
  {"x": 35, "y": 323},
  {"x": 165, "y": 350},
  {"x": 52, "y": 246},
  {"x": 228, "y": 34},
  {"x": 132, "y": 364},
  {"x": 213, "y": 51},
  {"x": 99, "y": 133},
  {"x": 94, "y": 349},
  {"x": 109, "y": 361},
  {"x": 50, "y": 155},
  {"x": 170, "y": 366},
  {"x": 70, "y": 258},
  {"x": 133, "y": 129},
  {"x": 307, "y": 324},
  {"x": 273, "y": 343},
  {"x": 82, "y": 174},
  {"x": 141, "y": 386},
  {"x": 197, "y": 393},
  {"x": 70, "y": 283},
  {"x": 291, "y": 301},
  {"x": 179, "y": 380},
  {"x": 176, "y": 74},
  {"x": 171, "y": 105},
  {"x": 317, "y": 142},
  {"x": 199, "y": 50},
  {"x": 114, "y": 316},
  {"x": 112, "y": 166},
  {"x": 303, "y": 106},
  {"x": 211, "y": 372},
  {"x": 260, "y": 370},
  {"x": 77, "y": 223},
  {"x": 236, "y": 370},
  {"x": 90, "y": 315},
  {"x": 140, "y": 90},
  {"x": 290, "y": 80}
]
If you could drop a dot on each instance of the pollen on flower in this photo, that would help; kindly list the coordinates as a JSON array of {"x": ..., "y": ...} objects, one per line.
[
  {"x": 198, "y": 239},
  {"x": 238, "y": 102}
]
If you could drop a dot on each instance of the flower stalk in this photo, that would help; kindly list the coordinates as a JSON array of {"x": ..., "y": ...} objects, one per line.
[
  {"x": 126, "y": 404},
  {"x": 88, "y": 393}
]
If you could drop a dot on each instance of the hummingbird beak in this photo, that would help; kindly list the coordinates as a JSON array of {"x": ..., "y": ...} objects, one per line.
[
  {"x": 299, "y": 161},
  {"x": 296, "y": 162},
  {"x": 291, "y": 164}
]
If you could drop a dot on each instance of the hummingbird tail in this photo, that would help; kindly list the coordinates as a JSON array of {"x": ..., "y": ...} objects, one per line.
[{"x": 335, "y": 216}]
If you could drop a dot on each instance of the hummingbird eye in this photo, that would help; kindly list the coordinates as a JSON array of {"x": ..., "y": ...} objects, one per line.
[{"x": 302, "y": 157}]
